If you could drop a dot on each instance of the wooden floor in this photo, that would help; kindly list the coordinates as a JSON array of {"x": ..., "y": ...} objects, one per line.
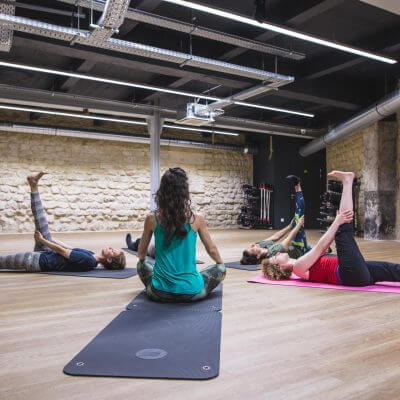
[{"x": 277, "y": 342}]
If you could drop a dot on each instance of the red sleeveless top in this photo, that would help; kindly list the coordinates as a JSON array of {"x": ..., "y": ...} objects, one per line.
[{"x": 325, "y": 270}]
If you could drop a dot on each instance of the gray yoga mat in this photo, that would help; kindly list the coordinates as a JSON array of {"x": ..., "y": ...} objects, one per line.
[
  {"x": 213, "y": 302},
  {"x": 98, "y": 273},
  {"x": 157, "y": 343},
  {"x": 151, "y": 259},
  {"x": 237, "y": 265}
]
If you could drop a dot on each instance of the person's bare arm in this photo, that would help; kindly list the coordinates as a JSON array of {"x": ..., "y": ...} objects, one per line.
[
  {"x": 286, "y": 242},
  {"x": 60, "y": 243},
  {"x": 205, "y": 237},
  {"x": 149, "y": 226},
  {"x": 280, "y": 234},
  {"x": 63, "y": 251},
  {"x": 305, "y": 262}
]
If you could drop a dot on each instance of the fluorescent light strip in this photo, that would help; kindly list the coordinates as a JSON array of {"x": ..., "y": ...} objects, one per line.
[
  {"x": 105, "y": 80},
  {"x": 184, "y": 128},
  {"x": 137, "y": 85},
  {"x": 97, "y": 117},
  {"x": 240, "y": 103},
  {"x": 283, "y": 31},
  {"x": 65, "y": 114}
]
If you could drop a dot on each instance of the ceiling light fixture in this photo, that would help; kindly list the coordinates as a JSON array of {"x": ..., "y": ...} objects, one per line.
[
  {"x": 241, "y": 103},
  {"x": 281, "y": 30},
  {"x": 74, "y": 115},
  {"x": 139, "y": 85},
  {"x": 105, "y": 80},
  {"x": 184, "y": 128}
]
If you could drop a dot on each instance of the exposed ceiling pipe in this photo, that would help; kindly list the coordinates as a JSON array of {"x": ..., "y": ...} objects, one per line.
[
  {"x": 96, "y": 135},
  {"x": 195, "y": 30},
  {"x": 387, "y": 106},
  {"x": 268, "y": 128},
  {"x": 67, "y": 101},
  {"x": 6, "y": 35},
  {"x": 103, "y": 41}
]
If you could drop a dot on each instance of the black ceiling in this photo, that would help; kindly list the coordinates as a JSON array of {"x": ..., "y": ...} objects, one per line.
[{"x": 329, "y": 83}]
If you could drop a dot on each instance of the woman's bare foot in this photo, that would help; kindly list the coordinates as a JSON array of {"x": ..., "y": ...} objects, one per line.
[
  {"x": 342, "y": 176},
  {"x": 33, "y": 180}
]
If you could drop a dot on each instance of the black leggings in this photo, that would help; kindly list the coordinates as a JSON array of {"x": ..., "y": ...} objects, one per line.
[{"x": 353, "y": 269}]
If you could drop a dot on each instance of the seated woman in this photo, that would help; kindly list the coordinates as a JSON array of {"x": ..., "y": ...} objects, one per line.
[
  {"x": 174, "y": 277},
  {"x": 349, "y": 267},
  {"x": 295, "y": 243},
  {"x": 53, "y": 255}
]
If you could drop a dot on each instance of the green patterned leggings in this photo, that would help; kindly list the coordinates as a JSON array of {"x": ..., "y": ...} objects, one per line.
[{"x": 212, "y": 276}]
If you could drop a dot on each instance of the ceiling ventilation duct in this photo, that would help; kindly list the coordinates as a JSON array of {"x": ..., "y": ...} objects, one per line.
[
  {"x": 169, "y": 23},
  {"x": 6, "y": 35},
  {"x": 87, "y": 38},
  {"x": 387, "y": 106}
]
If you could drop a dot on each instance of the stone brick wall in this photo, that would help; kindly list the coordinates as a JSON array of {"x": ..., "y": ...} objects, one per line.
[
  {"x": 100, "y": 185},
  {"x": 348, "y": 154}
]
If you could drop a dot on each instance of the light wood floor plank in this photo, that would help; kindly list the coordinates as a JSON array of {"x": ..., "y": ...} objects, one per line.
[{"x": 277, "y": 342}]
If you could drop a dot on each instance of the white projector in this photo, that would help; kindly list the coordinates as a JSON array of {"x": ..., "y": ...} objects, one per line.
[{"x": 197, "y": 115}]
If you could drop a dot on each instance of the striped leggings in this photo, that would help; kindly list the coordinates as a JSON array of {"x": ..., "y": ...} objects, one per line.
[{"x": 29, "y": 261}]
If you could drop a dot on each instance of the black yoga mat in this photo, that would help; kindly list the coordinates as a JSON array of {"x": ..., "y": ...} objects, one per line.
[
  {"x": 151, "y": 259},
  {"x": 237, "y": 265},
  {"x": 213, "y": 302},
  {"x": 155, "y": 343},
  {"x": 98, "y": 273}
]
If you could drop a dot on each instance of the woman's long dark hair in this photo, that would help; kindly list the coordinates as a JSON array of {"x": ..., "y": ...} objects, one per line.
[{"x": 173, "y": 203}]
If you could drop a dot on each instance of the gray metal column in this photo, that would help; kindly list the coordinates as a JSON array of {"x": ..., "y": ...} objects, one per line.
[{"x": 154, "y": 124}]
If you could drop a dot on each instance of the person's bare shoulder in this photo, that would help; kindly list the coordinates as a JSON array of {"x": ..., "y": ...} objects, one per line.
[{"x": 198, "y": 221}]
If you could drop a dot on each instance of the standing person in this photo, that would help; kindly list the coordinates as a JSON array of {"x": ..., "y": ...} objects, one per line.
[
  {"x": 295, "y": 243},
  {"x": 349, "y": 267},
  {"x": 52, "y": 255},
  {"x": 174, "y": 277}
]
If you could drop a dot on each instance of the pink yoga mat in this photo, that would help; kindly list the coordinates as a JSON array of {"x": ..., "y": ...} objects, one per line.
[{"x": 384, "y": 287}]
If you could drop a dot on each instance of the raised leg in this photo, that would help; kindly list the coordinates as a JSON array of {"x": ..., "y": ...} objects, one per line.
[
  {"x": 300, "y": 240},
  {"x": 38, "y": 212},
  {"x": 353, "y": 270},
  {"x": 347, "y": 178}
]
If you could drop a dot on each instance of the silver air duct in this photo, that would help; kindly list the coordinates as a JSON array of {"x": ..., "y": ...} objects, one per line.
[
  {"x": 180, "y": 26},
  {"x": 387, "y": 106},
  {"x": 6, "y": 35},
  {"x": 102, "y": 41},
  {"x": 96, "y": 135}
]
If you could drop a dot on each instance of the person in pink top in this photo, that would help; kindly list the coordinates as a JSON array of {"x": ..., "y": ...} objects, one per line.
[{"x": 349, "y": 267}]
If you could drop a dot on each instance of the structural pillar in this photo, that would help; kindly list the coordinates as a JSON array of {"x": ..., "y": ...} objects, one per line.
[
  {"x": 154, "y": 125},
  {"x": 380, "y": 180}
]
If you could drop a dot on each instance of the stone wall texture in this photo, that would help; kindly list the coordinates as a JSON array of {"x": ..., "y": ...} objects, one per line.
[
  {"x": 374, "y": 155},
  {"x": 97, "y": 185},
  {"x": 348, "y": 154}
]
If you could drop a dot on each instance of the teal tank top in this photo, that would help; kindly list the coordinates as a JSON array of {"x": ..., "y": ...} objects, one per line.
[{"x": 175, "y": 266}]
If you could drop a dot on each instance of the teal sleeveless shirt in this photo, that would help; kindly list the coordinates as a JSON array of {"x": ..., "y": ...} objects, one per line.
[{"x": 175, "y": 267}]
